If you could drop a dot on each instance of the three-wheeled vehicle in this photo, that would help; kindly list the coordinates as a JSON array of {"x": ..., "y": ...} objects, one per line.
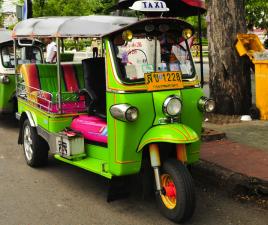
[
  {"x": 139, "y": 103},
  {"x": 26, "y": 53}
]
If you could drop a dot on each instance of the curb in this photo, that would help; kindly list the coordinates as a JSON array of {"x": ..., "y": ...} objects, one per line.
[
  {"x": 231, "y": 181},
  {"x": 212, "y": 135}
]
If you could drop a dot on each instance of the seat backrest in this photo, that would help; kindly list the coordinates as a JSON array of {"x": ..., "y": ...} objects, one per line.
[
  {"x": 79, "y": 75},
  {"x": 48, "y": 78},
  {"x": 70, "y": 78},
  {"x": 95, "y": 81},
  {"x": 30, "y": 75},
  {"x": 44, "y": 77},
  {"x": 73, "y": 77}
]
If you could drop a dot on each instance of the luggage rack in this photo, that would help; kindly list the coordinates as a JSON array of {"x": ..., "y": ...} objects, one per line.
[{"x": 44, "y": 100}]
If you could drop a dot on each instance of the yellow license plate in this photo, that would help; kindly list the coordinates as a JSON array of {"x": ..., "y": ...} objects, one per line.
[{"x": 163, "y": 80}]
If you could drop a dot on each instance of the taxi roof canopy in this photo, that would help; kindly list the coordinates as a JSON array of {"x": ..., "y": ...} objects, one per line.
[
  {"x": 5, "y": 36},
  {"x": 82, "y": 26}
]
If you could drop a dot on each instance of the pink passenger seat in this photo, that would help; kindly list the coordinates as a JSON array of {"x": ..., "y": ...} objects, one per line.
[{"x": 93, "y": 128}]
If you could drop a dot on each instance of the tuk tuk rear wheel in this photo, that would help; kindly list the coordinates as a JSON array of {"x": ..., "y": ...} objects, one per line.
[
  {"x": 177, "y": 202},
  {"x": 34, "y": 147}
]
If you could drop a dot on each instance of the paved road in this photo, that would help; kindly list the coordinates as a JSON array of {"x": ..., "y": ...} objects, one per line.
[{"x": 63, "y": 195}]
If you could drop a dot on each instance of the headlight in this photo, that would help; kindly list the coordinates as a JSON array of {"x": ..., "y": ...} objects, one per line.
[
  {"x": 132, "y": 114},
  {"x": 4, "y": 79},
  {"x": 206, "y": 104},
  {"x": 172, "y": 106},
  {"x": 124, "y": 112}
]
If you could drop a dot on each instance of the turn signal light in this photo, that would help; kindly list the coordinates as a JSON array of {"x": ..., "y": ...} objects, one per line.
[{"x": 206, "y": 104}]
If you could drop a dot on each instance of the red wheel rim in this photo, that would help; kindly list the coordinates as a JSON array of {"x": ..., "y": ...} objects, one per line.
[{"x": 170, "y": 197}]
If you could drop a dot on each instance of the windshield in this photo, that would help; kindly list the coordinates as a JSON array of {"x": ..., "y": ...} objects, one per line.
[
  {"x": 25, "y": 55},
  {"x": 165, "y": 51}
]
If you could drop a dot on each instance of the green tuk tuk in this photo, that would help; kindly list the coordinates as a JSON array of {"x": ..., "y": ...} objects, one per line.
[
  {"x": 26, "y": 54},
  {"x": 139, "y": 103}
]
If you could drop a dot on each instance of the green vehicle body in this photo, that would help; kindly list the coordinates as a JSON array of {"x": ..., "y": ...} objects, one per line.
[
  {"x": 7, "y": 90},
  {"x": 7, "y": 94},
  {"x": 136, "y": 109},
  {"x": 127, "y": 141}
]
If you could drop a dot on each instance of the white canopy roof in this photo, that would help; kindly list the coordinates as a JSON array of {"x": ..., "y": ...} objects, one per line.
[
  {"x": 83, "y": 26},
  {"x": 5, "y": 36}
]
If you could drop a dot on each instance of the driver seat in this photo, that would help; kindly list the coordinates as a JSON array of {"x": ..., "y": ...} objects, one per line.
[
  {"x": 95, "y": 85},
  {"x": 93, "y": 126}
]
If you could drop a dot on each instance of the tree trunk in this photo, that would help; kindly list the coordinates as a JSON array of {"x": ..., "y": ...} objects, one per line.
[{"x": 229, "y": 81}]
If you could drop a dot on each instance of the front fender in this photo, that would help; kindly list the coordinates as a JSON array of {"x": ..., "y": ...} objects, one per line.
[
  {"x": 171, "y": 133},
  {"x": 32, "y": 118},
  {"x": 24, "y": 116}
]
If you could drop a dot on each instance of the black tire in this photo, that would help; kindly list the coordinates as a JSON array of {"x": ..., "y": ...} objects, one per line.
[
  {"x": 35, "y": 148},
  {"x": 185, "y": 192},
  {"x": 254, "y": 112}
]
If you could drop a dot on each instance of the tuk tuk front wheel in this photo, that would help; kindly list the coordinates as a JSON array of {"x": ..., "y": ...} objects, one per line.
[
  {"x": 34, "y": 147},
  {"x": 177, "y": 200}
]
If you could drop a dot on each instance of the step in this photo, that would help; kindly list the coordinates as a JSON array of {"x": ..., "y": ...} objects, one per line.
[{"x": 90, "y": 164}]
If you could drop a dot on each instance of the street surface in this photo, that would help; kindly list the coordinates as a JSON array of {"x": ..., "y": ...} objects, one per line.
[{"x": 60, "y": 194}]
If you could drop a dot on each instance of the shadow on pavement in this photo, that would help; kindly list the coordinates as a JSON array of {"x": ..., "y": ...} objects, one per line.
[{"x": 8, "y": 121}]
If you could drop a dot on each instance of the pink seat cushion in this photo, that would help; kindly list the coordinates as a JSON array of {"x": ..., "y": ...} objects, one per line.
[
  {"x": 93, "y": 128},
  {"x": 68, "y": 107}
]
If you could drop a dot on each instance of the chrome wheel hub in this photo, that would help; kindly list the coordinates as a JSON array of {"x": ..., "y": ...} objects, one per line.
[{"x": 28, "y": 143}]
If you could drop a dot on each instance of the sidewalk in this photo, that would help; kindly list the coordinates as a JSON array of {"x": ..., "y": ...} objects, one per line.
[{"x": 240, "y": 160}]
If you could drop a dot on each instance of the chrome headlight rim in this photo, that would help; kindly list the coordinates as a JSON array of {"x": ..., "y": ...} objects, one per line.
[
  {"x": 124, "y": 112},
  {"x": 167, "y": 102},
  {"x": 204, "y": 104}
]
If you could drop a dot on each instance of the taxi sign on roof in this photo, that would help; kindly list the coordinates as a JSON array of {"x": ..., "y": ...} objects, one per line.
[{"x": 150, "y": 6}]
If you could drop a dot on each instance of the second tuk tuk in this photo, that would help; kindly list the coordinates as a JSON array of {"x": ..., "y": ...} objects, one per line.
[
  {"x": 139, "y": 103},
  {"x": 26, "y": 53}
]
